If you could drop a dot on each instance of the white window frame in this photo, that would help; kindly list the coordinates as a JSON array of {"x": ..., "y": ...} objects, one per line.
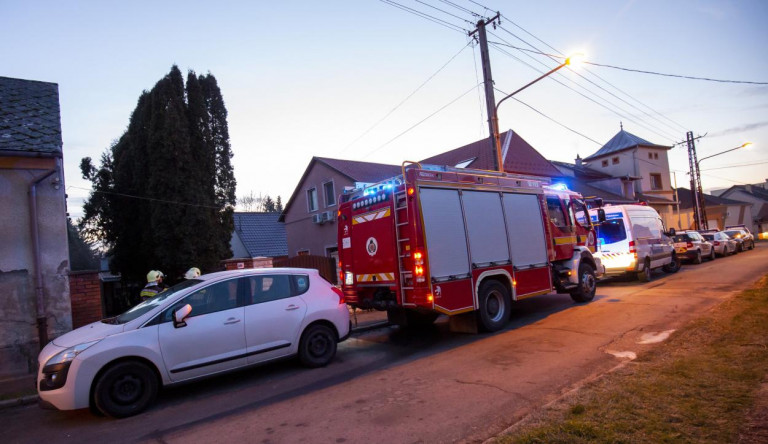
[
  {"x": 333, "y": 193},
  {"x": 661, "y": 182},
  {"x": 312, "y": 203}
]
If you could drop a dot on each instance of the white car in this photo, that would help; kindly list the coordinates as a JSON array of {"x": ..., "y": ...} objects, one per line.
[{"x": 199, "y": 327}]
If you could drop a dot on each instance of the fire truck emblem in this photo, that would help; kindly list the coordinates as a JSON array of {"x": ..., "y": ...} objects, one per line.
[
  {"x": 346, "y": 230},
  {"x": 371, "y": 246},
  {"x": 438, "y": 292}
]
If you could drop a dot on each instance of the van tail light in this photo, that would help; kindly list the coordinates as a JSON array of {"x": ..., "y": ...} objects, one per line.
[
  {"x": 340, "y": 294},
  {"x": 632, "y": 249}
]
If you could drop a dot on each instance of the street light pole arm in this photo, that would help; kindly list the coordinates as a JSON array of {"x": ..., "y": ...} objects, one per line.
[
  {"x": 529, "y": 84},
  {"x": 726, "y": 151}
]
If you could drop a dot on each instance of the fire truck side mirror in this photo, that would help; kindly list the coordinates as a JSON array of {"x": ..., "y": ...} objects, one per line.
[{"x": 600, "y": 215}]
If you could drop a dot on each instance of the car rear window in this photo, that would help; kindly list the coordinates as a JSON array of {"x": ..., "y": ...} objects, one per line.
[
  {"x": 683, "y": 238},
  {"x": 611, "y": 231},
  {"x": 709, "y": 236}
]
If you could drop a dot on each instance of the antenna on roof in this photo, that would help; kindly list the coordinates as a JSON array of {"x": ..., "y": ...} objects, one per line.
[{"x": 621, "y": 125}]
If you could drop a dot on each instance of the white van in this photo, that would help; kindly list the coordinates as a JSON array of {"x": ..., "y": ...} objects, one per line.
[{"x": 632, "y": 240}]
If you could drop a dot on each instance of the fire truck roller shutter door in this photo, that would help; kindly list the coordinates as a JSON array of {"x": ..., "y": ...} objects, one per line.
[
  {"x": 444, "y": 232},
  {"x": 526, "y": 230},
  {"x": 485, "y": 227}
]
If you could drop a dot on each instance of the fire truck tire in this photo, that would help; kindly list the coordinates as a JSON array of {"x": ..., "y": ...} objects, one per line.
[
  {"x": 495, "y": 305},
  {"x": 645, "y": 275},
  {"x": 317, "y": 346},
  {"x": 585, "y": 292}
]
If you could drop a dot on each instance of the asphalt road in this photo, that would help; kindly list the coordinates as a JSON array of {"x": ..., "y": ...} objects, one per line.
[{"x": 391, "y": 385}]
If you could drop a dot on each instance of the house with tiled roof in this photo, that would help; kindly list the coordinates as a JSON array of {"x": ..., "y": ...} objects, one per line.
[
  {"x": 757, "y": 196},
  {"x": 34, "y": 255},
  {"x": 310, "y": 213},
  {"x": 721, "y": 211},
  {"x": 644, "y": 167},
  {"x": 258, "y": 238}
]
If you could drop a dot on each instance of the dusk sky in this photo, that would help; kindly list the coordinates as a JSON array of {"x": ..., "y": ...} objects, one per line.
[{"x": 304, "y": 78}]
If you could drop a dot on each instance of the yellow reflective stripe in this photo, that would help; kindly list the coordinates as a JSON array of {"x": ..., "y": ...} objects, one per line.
[
  {"x": 375, "y": 277},
  {"x": 373, "y": 215},
  {"x": 565, "y": 240}
]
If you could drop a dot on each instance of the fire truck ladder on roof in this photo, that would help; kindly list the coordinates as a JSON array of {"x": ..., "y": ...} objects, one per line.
[{"x": 402, "y": 233}]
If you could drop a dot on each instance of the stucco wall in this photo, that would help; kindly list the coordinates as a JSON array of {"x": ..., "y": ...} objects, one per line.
[
  {"x": 18, "y": 326},
  {"x": 301, "y": 232}
]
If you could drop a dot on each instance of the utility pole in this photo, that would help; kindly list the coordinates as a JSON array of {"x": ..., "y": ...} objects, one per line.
[
  {"x": 490, "y": 100},
  {"x": 697, "y": 195}
]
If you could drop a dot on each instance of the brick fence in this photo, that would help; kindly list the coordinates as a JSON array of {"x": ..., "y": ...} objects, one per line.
[{"x": 85, "y": 293}]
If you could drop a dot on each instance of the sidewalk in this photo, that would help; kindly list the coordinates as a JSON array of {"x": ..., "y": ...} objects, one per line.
[{"x": 20, "y": 390}]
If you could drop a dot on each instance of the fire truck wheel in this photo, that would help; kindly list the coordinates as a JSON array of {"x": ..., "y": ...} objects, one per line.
[
  {"x": 317, "y": 346},
  {"x": 495, "y": 305},
  {"x": 585, "y": 292},
  {"x": 645, "y": 275}
]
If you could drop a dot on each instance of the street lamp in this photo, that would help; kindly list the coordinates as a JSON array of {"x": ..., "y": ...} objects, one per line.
[
  {"x": 570, "y": 61},
  {"x": 746, "y": 145}
]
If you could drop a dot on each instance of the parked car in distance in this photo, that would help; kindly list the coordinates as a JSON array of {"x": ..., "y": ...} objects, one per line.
[
  {"x": 744, "y": 239},
  {"x": 721, "y": 242},
  {"x": 200, "y": 327},
  {"x": 691, "y": 246}
]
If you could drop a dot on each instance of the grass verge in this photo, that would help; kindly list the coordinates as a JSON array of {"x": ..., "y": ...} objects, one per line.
[{"x": 698, "y": 386}]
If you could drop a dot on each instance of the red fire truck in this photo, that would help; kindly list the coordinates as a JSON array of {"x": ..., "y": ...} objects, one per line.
[{"x": 462, "y": 242}]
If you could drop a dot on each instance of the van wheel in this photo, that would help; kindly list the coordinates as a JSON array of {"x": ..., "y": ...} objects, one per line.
[
  {"x": 317, "y": 346},
  {"x": 495, "y": 305},
  {"x": 125, "y": 389},
  {"x": 712, "y": 254},
  {"x": 585, "y": 292},
  {"x": 697, "y": 260},
  {"x": 674, "y": 266},
  {"x": 645, "y": 275}
]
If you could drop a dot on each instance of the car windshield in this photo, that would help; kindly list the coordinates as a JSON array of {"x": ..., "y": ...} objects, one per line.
[
  {"x": 150, "y": 303},
  {"x": 611, "y": 231}
]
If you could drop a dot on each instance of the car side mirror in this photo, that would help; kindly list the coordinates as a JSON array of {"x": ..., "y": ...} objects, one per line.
[
  {"x": 671, "y": 232},
  {"x": 180, "y": 315},
  {"x": 600, "y": 215}
]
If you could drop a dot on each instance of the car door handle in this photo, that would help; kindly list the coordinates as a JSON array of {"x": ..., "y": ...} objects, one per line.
[
  {"x": 292, "y": 307},
  {"x": 231, "y": 321}
]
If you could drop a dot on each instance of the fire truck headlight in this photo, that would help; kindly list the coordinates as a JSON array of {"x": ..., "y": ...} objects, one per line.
[{"x": 348, "y": 278}]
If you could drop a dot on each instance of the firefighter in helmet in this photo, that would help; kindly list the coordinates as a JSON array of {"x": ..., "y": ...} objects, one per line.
[
  {"x": 154, "y": 285},
  {"x": 192, "y": 273}
]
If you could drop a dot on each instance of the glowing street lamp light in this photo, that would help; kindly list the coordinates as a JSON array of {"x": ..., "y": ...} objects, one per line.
[
  {"x": 746, "y": 145},
  {"x": 572, "y": 61}
]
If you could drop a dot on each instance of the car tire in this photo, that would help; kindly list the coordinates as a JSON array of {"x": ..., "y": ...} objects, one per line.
[
  {"x": 495, "y": 305},
  {"x": 712, "y": 254},
  {"x": 125, "y": 389},
  {"x": 585, "y": 292},
  {"x": 752, "y": 245},
  {"x": 645, "y": 275},
  {"x": 317, "y": 346},
  {"x": 697, "y": 260},
  {"x": 674, "y": 266}
]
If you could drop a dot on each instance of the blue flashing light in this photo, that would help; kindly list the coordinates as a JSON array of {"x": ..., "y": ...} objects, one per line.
[{"x": 559, "y": 186}]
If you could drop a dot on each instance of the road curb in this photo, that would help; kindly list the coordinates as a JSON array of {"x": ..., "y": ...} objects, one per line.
[
  {"x": 368, "y": 327},
  {"x": 24, "y": 400}
]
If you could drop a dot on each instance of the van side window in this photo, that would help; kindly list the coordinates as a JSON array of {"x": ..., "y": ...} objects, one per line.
[
  {"x": 647, "y": 227},
  {"x": 555, "y": 212}
]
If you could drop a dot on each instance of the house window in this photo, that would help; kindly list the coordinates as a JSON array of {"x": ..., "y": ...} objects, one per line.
[
  {"x": 655, "y": 155},
  {"x": 605, "y": 163},
  {"x": 650, "y": 155},
  {"x": 656, "y": 181},
  {"x": 615, "y": 160},
  {"x": 312, "y": 199},
  {"x": 330, "y": 195}
]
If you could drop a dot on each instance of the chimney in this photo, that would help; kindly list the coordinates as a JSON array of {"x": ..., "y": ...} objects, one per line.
[
  {"x": 579, "y": 161},
  {"x": 748, "y": 187}
]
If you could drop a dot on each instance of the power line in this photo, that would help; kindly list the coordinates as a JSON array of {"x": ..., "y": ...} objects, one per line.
[
  {"x": 461, "y": 8},
  {"x": 443, "y": 11},
  {"x": 405, "y": 99},
  {"x": 629, "y": 115},
  {"x": 736, "y": 166},
  {"x": 550, "y": 118},
  {"x": 580, "y": 93},
  {"x": 153, "y": 199},
  {"x": 424, "y": 15},
  {"x": 676, "y": 75},
  {"x": 423, "y": 120}
]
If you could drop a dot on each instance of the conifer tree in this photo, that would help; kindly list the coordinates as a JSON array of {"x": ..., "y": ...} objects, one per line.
[{"x": 163, "y": 195}]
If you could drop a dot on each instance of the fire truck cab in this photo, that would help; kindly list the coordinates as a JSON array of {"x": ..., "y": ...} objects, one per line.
[{"x": 465, "y": 243}]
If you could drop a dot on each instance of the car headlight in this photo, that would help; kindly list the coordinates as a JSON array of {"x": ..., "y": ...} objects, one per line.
[{"x": 70, "y": 353}]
